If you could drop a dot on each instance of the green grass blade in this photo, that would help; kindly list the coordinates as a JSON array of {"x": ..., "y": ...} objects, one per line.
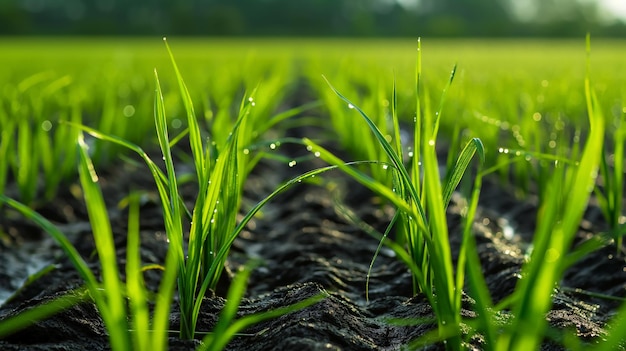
[
  {"x": 227, "y": 327},
  {"x": 40, "y": 312},
  {"x": 615, "y": 336},
  {"x": 218, "y": 340},
  {"x": 67, "y": 247},
  {"x": 172, "y": 215},
  {"x": 160, "y": 178},
  {"x": 454, "y": 175},
  {"x": 161, "y": 315},
  {"x": 439, "y": 251},
  {"x": 396, "y": 122},
  {"x": 136, "y": 289},
  {"x": 476, "y": 281},
  {"x": 393, "y": 156},
  {"x": 381, "y": 242},
  {"x": 195, "y": 139},
  {"x": 111, "y": 303},
  {"x": 417, "y": 121},
  {"x": 442, "y": 101},
  {"x": 569, "y": 192},
  {"x": 359, "y": 176}
]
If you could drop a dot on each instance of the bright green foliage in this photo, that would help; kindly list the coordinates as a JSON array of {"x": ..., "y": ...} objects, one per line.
[
  {"x": 560, "y": 214},
  {"x": 421, "y": 200},
  {"x": 29, "y": 134},
  {"x": 567, "y": 191},
  {"x": 221, "y": 170},
  {"x": 519, "y": 97},
  {"x": 110, "y": 294}
]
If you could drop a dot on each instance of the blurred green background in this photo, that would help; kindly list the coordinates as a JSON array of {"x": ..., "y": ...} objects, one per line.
[{"x": 297, "y": 18}]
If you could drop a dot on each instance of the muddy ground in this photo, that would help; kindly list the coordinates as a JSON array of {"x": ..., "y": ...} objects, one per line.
[{"x": 306, "y": 246}]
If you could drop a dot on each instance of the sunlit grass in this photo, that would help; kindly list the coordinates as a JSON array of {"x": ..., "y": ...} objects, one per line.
[
  {"x": 544, "y": 128},
  {"x": 421, "y": 199}
]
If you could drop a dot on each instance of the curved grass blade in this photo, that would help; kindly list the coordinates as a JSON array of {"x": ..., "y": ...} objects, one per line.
[
  {"x": 393, "y": 156},
  {"x": 563, "y": 212},
  {"x": 227, "y": 327},
  {"x": 111, "y": 302},
  {"x": 453, "y": 177},
  {"x": 135, "y": 287},
  {"x": 195, "y": 139},
  {"x": 40, "y": 312},
  {"x": 67, "y": 247}
]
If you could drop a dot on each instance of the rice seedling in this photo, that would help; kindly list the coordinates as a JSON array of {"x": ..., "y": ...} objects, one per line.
[
  {"x": 567, "y": 193},
  {"x": 130, "y": 326},
  {"x": 561, "y": 212},
  {"x": 421, "y": 200},
  {"x": 220, "y": 173}
]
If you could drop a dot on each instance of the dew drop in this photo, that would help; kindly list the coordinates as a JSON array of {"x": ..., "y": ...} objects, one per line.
[
  {"x": 246, "y": 151},
  {"x": 309, "y": 148},
  {"x": 316, "y": 154},
  {"x": 385, "y": 166},
  {"x": 350, "y": 106},
  {"x": 128, "y": 111},
  {"x": 292, "y": 163},
  {"x": 273, "y": 146},
  {"x": 410, "y": 153},
  {"x": 431, "y": 142},
  {"x": 46, "y": 125}
]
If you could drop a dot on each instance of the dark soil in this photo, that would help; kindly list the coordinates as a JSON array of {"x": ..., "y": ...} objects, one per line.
[{"x": 306, "y": 246}]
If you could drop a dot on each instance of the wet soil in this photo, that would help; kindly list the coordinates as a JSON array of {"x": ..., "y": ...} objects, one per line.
[{"x": 306, "y": 246}]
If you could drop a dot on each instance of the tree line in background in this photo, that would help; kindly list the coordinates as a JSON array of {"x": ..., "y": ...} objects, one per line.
[{"x": 447, "y": 18}]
